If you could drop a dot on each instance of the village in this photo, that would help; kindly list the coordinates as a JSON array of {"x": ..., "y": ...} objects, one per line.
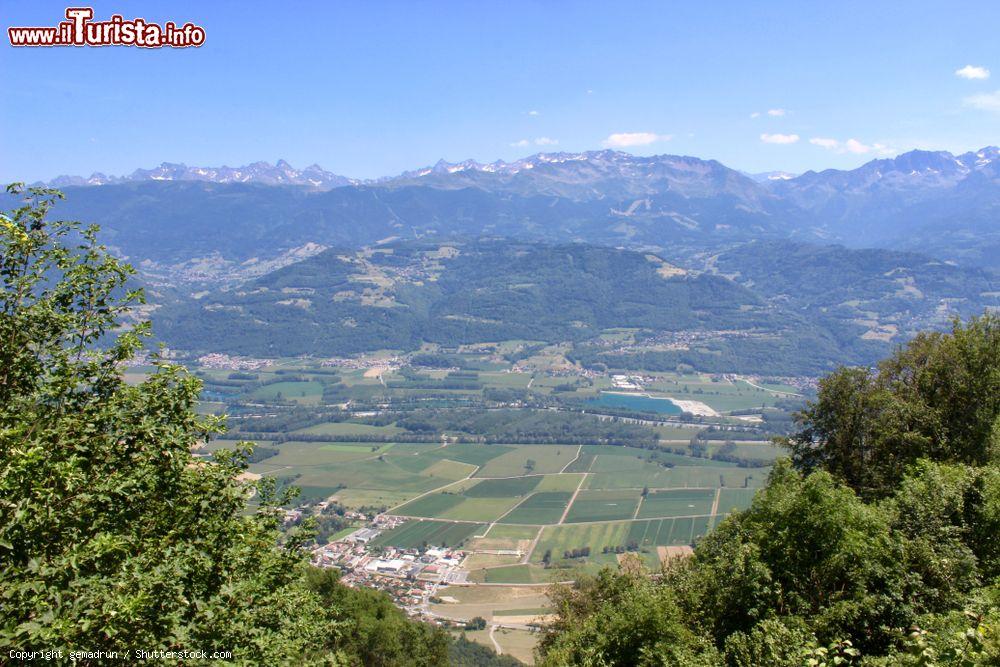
[{"x": 411, "y": 577}]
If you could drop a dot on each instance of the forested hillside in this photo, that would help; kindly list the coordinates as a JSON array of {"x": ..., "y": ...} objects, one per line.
[
  {"x": 777, "y": 308},
  {"x": 400, "y": 295},
  {"x": 875, "y": 293}
]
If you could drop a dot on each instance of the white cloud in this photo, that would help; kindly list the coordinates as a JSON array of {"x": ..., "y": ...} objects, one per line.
[
  {"x": 540, "y": 141},
  {"x": 855, "y": 146},
  {"x": 779, "y": 138},
  {"x": 533, "y": 113},
  {"x": 776, "y": 112},
  {"x": 984, "y": 101},
  {"x": 627, "y": 139},
  {"x": 829, "y": 144},
  {"x": 755, "y": 114},
  {"x": 972, "y": 72},
  {"x": 851, "y": 146}
]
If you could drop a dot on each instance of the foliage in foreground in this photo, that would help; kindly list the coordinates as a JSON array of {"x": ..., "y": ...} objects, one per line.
[
  {"x": 112, "y": 535},
  {"x": 876, "y": 544}
]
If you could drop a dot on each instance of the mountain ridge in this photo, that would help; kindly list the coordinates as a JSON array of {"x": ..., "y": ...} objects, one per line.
[
  {"x": 931, "y": 202},
  {"x": 282, "y": 173}
]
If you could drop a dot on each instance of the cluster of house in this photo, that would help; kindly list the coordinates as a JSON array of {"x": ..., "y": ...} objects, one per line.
[
  {"x": 629, "y": 382},
  {"x": 409, "y": 576},
  {"x": 227, "y": 362},
  {"x": 384, "y": 364}
]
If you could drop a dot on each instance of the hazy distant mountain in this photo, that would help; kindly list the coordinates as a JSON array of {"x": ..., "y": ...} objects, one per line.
[
  {"x": 593, "y": 175},
  {"x": 280, "y": 173},
  {"x": 898, "y": 201},
  {"x": 767, "y": 176},
  {"x": 934, "y": 202}
]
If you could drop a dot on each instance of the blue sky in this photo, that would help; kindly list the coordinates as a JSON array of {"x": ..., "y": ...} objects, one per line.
[{"x": 373, "y": 88}]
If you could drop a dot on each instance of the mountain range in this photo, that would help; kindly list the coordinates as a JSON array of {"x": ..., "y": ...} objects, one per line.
[{"x": 932, "y": 202}]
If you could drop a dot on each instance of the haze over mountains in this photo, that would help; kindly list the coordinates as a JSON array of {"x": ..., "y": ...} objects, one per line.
[
  {"x": 768, "y": 273},
  {"x": 933, "y": 202}
]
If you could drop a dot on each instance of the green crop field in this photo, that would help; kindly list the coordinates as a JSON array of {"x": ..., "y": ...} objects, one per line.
[
  {"x": 583, "y": 462},
  {"x": 666, "y": 532},
  {"x": 318, "y": 453},
  {"x": 558, "y": 539},
  {"x": 606, "y": 463},
  {"x": 385, "y": 483},
  {"x": 450, "y": 469},
  {"x": 479, "y": 509},
  {"x": 650, "y": 475},
  {"x": 414, "y": 534},
  {"x": 547, "y": 458},
  {"x": 676, "y": 502},
  {"x": 602, "y": 506},
  {"x": 411, "y": 462},
  {"x": 512, "y": 574},
  {"x": 563, "y": 482},
  {"x": 301, "y": 392},
  {"x": 504, "y": 532},
  {"x": 349, "y": 428},
  {"x": 474, "y": 454},
  {"x": 540, "y": 508},
  {"x": 735, "y": 499},
  {"x": 430, "y": 506},
  {"x": 503, "y": 488},
  {"x": 708, "y": 476},
  {"x": 643, "y": 534}
]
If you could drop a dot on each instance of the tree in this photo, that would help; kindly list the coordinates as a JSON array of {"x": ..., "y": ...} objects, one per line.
[
  {"x": 476, "y": 623},
  {"x": 939, "y": 398},
  {"x": 112, "y": 534},
  {"x": 620, "y": 619}
]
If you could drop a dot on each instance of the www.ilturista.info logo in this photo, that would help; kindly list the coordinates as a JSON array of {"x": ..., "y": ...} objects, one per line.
[{"x": 80, "y": 30}]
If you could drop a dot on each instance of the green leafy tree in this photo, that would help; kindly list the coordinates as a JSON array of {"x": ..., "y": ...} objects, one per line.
[
  {"x": 112, "y": 534},
  {"x": 937, "y": 398},
  {"x": 621, "y": 619}
]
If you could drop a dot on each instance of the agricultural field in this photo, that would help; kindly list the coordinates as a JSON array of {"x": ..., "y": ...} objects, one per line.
[
  {"x": 526, "y": 459},
  {"x": 677, "y": 502},
  {"x": 308, "y": 393},
  {"x": 642, "y": 535},
  {"x": 603, "y": 505},
  {"x": 503, "y": 488},
  {"x": 541, "y": 508},
  {"x": 558, "y": 539},
  {"x": 513, "y": 574},
  {"x": 349, "y": 428},
  {"x": 735, "y": 499},
  {"x": 559, "y": 482},
  {"x": 416, "y": 534},
  {"x": 505, "y": 537},
  {"x": 700, "y": 476},
  {"x": 479, "y": 561}
]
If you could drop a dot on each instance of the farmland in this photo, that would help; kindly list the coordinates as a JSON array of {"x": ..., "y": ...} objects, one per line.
[
  {"x": 415, "y": 534},
  {"x": 544, "y": 507},
  {"x": 602, "y": 506},
  {"x": 504, "y": 454},
  {"x": 509, "y": 464}
]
